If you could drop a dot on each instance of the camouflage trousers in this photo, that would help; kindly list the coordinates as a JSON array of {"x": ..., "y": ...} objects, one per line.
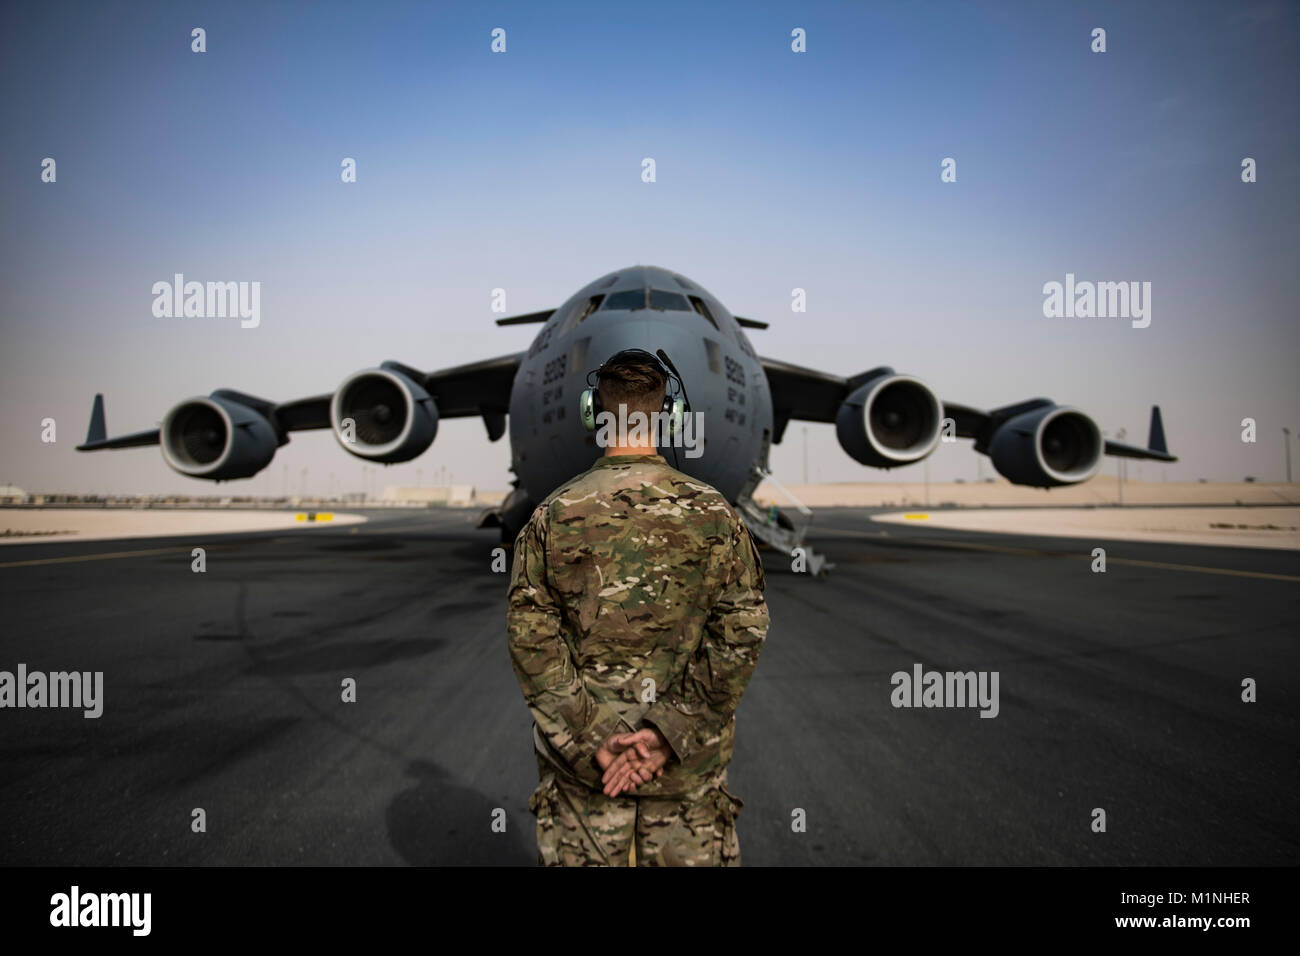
[{"x": 578, "y": 826}]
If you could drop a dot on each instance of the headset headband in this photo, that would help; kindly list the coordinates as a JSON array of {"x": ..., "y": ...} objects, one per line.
[{"x": 625, "y": 353}]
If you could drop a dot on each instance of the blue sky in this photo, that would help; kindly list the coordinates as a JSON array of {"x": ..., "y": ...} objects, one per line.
[{"x": 521, "y": 170}]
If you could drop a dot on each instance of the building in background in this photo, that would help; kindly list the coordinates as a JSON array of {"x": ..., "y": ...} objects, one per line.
[
  {"x": 452, "y": 496},
  {"x": 12, "y": 495}
]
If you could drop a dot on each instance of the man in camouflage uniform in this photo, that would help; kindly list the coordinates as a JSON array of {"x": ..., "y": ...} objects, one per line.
[{"x": 636, "y": 617}]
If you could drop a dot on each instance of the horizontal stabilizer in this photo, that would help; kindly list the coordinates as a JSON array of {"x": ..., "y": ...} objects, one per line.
[{"x": 529, "y": 319}]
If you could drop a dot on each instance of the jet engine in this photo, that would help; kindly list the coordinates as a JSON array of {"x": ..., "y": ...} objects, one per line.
[
  {"x": 891, "y": 420},
  {"x": 217, "y": 439},
  {"x": 382, "y": 414},
  {"x": 1047, "y": 447}
]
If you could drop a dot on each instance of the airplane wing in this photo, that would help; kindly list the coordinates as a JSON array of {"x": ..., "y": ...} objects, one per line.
[
  {"x": 810, "y": 395},
  {"x": 97, "y": 437},
  {"x": 1156, "y": 448},
  {"x": 477, "y": 388},
  {"x": 804, "y": 393}
]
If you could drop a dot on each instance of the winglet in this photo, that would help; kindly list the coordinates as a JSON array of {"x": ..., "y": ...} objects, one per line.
[
  {"x": 98, "y": 431},
  {"x": 1156, "y": 439}
]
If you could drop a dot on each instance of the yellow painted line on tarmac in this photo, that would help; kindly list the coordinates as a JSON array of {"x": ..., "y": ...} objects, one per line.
[
  {"x": 74, "y": 558},
  {"x": 1201, "y": 570},
  {"x": 314, "y": 516},
  {"x": 1195, "y": 568},
  {"x": 916, "y": 517}
]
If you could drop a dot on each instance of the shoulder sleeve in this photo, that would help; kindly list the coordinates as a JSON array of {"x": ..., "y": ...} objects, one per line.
[
  {"x": 719, "y": 671},
  {"x": 568, "y": 717}
]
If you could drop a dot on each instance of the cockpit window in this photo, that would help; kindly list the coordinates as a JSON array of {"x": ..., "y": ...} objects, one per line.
[
  {"x": 703, "y": 309},
  {"x": 568, "y": 316},
  {"x": 580, "y": 311},
  {"x": 668, "y": 301},
  {"x": 659, "y": 299},
  {"x": 630, "y": 299}
]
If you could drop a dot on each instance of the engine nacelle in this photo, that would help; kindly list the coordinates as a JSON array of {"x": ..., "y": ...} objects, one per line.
[
  {"x": 392, "y": 418},
  {"x": 1047, "y": 447},
  {"x": 217, "y": 439},
  {"x": 890, "y": 421}
]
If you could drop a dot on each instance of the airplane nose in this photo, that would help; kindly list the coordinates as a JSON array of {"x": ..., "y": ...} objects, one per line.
[{"x": 679, "y": 334}]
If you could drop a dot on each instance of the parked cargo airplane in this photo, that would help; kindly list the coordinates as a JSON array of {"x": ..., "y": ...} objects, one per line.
[{"x": 883, "y": 419}]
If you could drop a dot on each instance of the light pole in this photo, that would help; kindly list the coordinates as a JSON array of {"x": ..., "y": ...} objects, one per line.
[
  {"x": 1286, "y": 433},
  {"x": 1120, "y": 436},
  {"x": 805, "y": 454}
]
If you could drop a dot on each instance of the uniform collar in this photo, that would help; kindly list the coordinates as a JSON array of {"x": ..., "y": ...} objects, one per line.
[{"x": 605, "y": 461}]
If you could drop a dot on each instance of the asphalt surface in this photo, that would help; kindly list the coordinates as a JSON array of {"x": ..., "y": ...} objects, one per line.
[{"x": 1119, "y": 691}]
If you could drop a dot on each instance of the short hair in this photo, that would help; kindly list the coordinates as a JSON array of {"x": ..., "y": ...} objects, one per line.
[{"x": 631, "y": 380}]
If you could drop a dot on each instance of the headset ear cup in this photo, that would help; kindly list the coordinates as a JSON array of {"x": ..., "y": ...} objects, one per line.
[
  {"x": 587, "y": 408},
  {"x": 675, "y": 410}
]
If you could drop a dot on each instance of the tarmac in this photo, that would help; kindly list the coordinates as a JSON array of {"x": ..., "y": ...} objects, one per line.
[
  {"x": 22, "y": 525},
  {"x": 1253, "y": 527},
  {"x": 1119, "y": 691}
]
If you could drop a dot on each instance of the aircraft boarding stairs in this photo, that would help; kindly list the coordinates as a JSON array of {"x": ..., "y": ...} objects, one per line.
[{"x": 781, "y": 529}]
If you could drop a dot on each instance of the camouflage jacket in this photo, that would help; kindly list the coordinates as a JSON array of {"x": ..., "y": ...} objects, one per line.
[{"x": 636, "y": 598}]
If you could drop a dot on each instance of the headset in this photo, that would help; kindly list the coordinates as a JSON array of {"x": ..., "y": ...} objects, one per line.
[{"x": 676, "y": 403}]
